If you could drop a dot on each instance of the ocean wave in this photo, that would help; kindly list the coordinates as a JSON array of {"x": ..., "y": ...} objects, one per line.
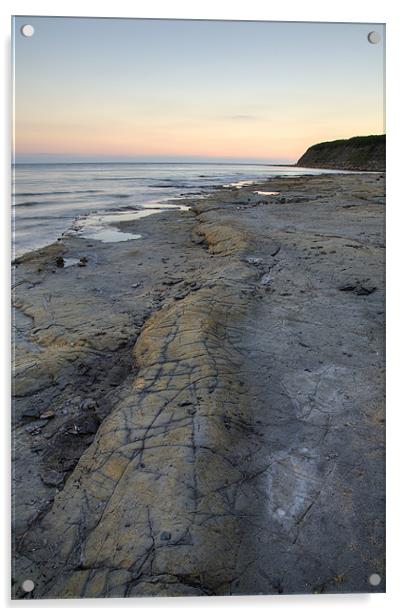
[
  {"x": 189, "y": 186},
  {"x": 55, "y": 192},
  {"x": 27, "y": 203},
  {"x": 33, "y": 220},
  {"x": 109, "y": 178}
]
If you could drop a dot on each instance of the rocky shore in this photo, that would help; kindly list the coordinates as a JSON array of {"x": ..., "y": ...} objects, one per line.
[{"x": 201, "y": 411}]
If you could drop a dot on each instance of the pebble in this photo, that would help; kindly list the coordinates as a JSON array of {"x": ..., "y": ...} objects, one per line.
[
  {"x": 59, "y": 261},
  {"x": 31, "y": 412},
  {"x": 47, "y": 415},
  {"x": 52, "y": 478}
]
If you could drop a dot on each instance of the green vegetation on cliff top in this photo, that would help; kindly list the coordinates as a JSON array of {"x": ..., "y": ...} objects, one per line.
[{"x": 358, "y": 153}]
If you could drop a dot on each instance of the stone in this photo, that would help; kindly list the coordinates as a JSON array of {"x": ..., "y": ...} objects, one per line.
[
  {"x": 47, "y": 414},
  {"x": 31, "y": 412},
  {"x": 52, "y": 478}
]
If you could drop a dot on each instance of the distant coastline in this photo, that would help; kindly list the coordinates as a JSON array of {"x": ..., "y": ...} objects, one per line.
[{"x": 355, "y": 154}]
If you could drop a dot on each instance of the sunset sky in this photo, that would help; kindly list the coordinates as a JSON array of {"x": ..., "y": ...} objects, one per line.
[{"x": 165, "y": 90}]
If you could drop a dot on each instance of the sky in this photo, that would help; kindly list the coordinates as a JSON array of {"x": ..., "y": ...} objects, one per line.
[{"x": 168, "y": 90}]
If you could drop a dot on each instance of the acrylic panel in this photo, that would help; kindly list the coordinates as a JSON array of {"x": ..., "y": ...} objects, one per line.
[{"x": 198, "y": 308}]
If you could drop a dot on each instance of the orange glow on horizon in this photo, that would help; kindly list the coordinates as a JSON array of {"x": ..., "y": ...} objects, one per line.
[{"x": 262, "y": 140}]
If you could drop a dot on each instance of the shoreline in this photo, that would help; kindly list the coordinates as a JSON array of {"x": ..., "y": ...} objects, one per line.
[
  {"x": 188, "y": 416},
  {"x": 29, "y": 246}
]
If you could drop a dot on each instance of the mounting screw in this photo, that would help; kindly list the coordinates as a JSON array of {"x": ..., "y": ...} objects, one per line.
[
  {"x": 27, "y": 30},
  {"x": 373, "y": 37}
]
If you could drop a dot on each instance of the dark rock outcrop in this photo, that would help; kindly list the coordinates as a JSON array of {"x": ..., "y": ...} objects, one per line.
[{"x": 355, "y": 154}]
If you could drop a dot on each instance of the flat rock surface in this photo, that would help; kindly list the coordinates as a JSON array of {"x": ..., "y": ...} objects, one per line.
[{"x": 201, "y": 411}]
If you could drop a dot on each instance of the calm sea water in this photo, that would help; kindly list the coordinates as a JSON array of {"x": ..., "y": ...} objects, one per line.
[{"x": 47, "y": 199}]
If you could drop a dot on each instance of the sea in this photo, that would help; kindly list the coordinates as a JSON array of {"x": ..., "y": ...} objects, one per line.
[{"x": 49, "y": 200}]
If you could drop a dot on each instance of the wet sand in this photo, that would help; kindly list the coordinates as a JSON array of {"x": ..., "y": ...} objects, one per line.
[{"x": 200, "y": 411}]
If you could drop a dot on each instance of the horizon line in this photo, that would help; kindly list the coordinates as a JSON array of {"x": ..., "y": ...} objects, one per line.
[{"x": 148, "y": 162}]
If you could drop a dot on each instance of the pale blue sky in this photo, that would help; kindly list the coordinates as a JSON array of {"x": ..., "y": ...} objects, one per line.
[{"x": 124, "y": 89}]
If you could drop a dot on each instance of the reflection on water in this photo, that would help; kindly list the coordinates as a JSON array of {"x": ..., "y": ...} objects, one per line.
[
  {"x": 266, "y": 193},
  {"x": 239, "y": 184},
  {"x": 109, "y": 235},
  {"x": 102, "y": 227},
  {"x": 69, "y": 261}
]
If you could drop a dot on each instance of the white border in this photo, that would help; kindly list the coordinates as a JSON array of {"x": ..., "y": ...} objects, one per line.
[{"x": 388, "y": 11}]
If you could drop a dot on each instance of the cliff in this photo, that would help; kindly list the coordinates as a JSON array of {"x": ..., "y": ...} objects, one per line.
[{"x": 355, "y": 154}]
